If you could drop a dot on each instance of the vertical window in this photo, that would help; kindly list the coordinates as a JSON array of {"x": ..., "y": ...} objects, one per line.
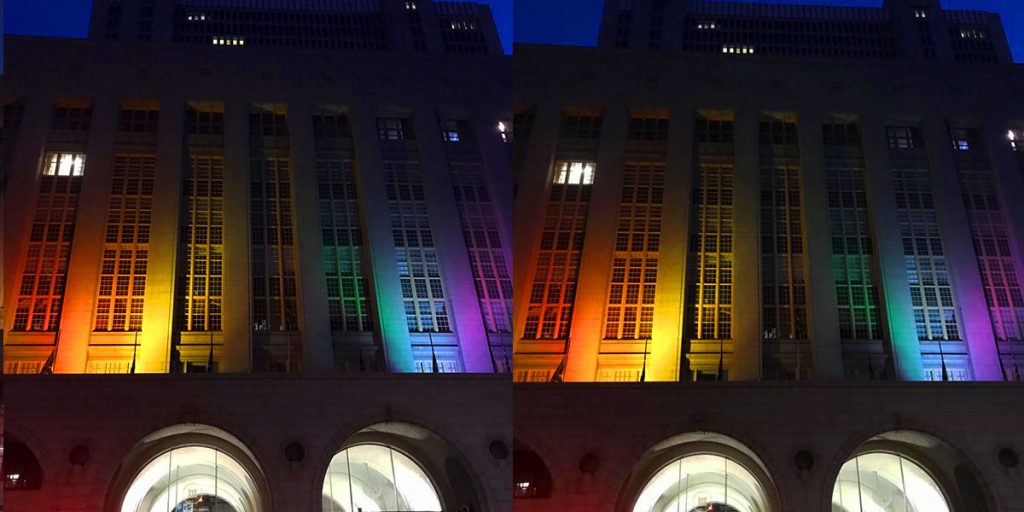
[
  {"x": 203, "y": 239},
  {"x": 850, "y": 229},
  {"x": 394, "y": 128},
  {"x": 648, "y": 129},
  {"x": 43, "y": 278},
  {"x": 454, "y": 130},
  {"x": 783, "y": 296},
  {"x": 122, "y": 284},
  {"x": 483, "y": 242},
  {"x": 631, "y": 290},
  {"x": 711, "y": 248},
  {"x": 342, "y": 237},
  {"x": 904, "y": 137},
  {"x": 579, "y": 127},
  {"x": 963, "y": 138},
  {"x": 71, "y": 119},
  {"x": 423, "y": 293},
  {"x": 553, "y": 288},
  {"x": 993, "y": 249},
  {"x": 205, "y": 122},
  {"x": 274, "y": 306},
  {"x": 138, "y": 121}
]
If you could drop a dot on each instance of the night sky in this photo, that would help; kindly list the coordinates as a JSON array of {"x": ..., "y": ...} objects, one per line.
[
  {"x": 70, "y": 18},
  {"x": 575, "y": 22}
]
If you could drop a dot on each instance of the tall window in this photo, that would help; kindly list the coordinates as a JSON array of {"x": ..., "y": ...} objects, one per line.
[
  {"x": 394, "y": 128},
  {"x": 648, "y": 129},
  {"x": 122, "y": 287},
  {"x": 783, "y": 296},
  {"x": 850, "y": 229},
  {"x": 71, "y": 119},
  {"x": 43, "y": 278},
  {"x": 581, "y": 127},
  {"x": 994, "y": 252},
  {"x": 483, "y": 241},
  {"x": 203, "y": 239},
  {"x": 454, "y": 130},
  {"x": 904, "y": 137},
  {"x": 342, "y": 237},
  {"x": 138, "y": 121},
  {"x": 931, "y": 292},
  {"x": 554, "y": 281},
  {"x": 205, "y": 122},
  {"x": 426, "y": 308},
  {"x": 711, "y": 246},
  {"x": 631, "y": 292},
  {"x": 274, "y": 303}
]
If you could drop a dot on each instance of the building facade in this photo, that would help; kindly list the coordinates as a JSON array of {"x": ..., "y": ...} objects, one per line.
[
  {"x": 691, "y": 215},
  {"x": 257, "y": 443},
  {"x": 178, "y": 204},
  {"x": 768, "y": 447}
]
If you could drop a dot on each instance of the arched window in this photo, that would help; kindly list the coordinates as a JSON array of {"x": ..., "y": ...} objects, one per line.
[
  {"x": 530, "y": 476},
  {"x": 21, "y": 469},
  {"x": 885, "y": 482},
  {"x": 703, "y": 483},
  {"x": 192, "y": 478},
  {"x": 368, "y": 477}
]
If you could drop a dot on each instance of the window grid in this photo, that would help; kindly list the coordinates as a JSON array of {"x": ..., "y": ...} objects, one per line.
[
  {"x": 783, "y": 292},
  {"x": 936, "y": 315},
  {"x": 274, "y": 306},
  {"x": 581, "y": 127},
  {"x": 553, "y": 287},
  {"x": 41, "y": 291},
  {"x": 712, "y": 260},
  {"x": 282, "y": 28},
  {"x": 139, "y": 121},
  {"x": 631, "y": 291},
  {"x": 205, "y": 122},
  {"x": 648, "y": 129},
  {"x": 423, "y": 293},
  {"x": 852, "y": 254},
  {"x": 394, "y": 128},
  {"x": 71, "y": 119},
  {"x": 342, "y": 237},
  {"x": 203, "y": 236},
  {"x": 122, "y": 285},
  {"x": 994, "y": 253},
  {"x": 904, "y": 137},
  {"x": 483, "y": 242}
]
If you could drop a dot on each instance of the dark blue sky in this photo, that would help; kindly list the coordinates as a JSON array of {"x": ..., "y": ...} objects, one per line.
[
  {"x": 70, "y": 18},
  {"x": 575, "y": 22}
]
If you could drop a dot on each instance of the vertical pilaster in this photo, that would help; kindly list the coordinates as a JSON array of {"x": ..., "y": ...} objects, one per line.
[
  {"x": 385, "y": 288},
  {"x": 87, "y": 247},
  {"x": 746, "y": 317},
  {"x": 317, "y": 346},
  {"x": 823, "y": 317},
  {"x": 894, "y": 288},
  {"x": 158, "y": 314},
  {"x": 237, "y": 317},
  {"x": 976, "y": 324},
  {"x": 467, "y": 321},
  {"x": 588, "y": 311},
  {"x": 665, "y": 363}
]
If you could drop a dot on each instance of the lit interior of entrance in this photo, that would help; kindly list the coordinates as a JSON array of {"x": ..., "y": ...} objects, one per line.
[
  {"x": 192, "y": 479},
  {"x": 884, "y": 482},
  {"x": 703, "y": 483},
  {"x": 374, "y": 478}
]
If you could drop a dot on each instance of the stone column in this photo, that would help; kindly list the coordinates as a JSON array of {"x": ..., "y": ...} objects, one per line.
[{"x": 237, "y": 317}]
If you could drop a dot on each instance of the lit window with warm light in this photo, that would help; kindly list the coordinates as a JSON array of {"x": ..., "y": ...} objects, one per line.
[
  {"x": 575, "y": 173},
  {"x": 64, "y": 164}
]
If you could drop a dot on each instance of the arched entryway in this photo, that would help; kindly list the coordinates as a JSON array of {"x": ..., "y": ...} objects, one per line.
[
  {"x": 189, "y": 468},
  {"x": 700, "y": 472},
  {"x": 370, "y": 477}
]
